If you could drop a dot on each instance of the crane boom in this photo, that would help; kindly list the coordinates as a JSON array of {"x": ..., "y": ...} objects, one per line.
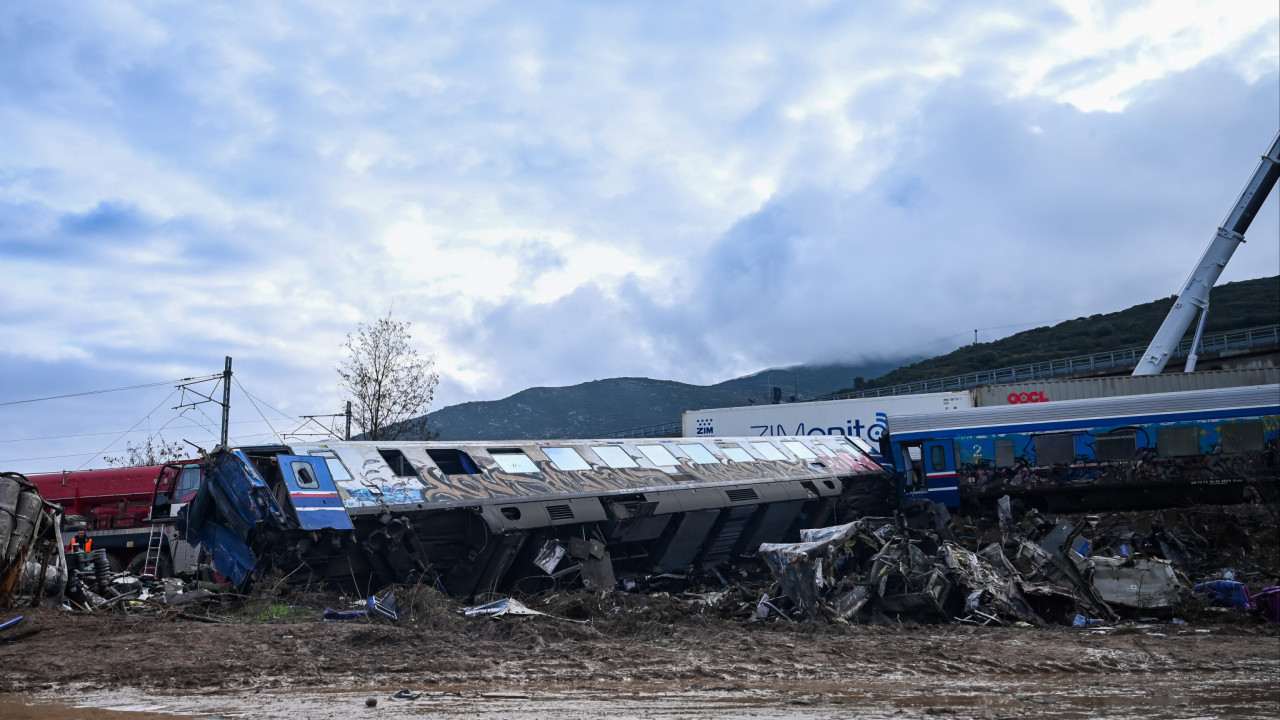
[{"x": 1195, "y": 292}]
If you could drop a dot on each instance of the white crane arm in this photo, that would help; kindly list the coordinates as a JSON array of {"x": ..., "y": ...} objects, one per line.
[{"x": 1194, "y": 296}]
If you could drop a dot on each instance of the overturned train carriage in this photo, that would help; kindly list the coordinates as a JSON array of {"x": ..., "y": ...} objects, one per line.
[{"x": 476, "y": 516}]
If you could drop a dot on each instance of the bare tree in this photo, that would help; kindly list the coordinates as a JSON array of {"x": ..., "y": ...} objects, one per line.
[
  {"x": 389, "y": 383},
  {"x": 155, "y": 451}
]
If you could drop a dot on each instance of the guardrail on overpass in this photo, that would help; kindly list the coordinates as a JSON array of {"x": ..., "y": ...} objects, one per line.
[{"x": 1111, "y": 360}]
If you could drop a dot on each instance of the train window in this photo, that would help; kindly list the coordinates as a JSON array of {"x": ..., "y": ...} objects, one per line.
[
  {"x": 305, "y": 475},
  {"x": 1055, "y": 449},
  {"x": 1178, "y": 441},
  {"x": 768, "y": 450},
  {"x": 828, "y": 448},
  {"x": 799, "y": 449},
  {"x": 513, "y": 460},
  {"x": 1241, "y": 437},
  {"x": 566, "y": 458},
  {"x": 699, "y": 454},
  {"x": 337, "y": 469},
  {"x": 658, "y": 455},
  {"x": 400, "y": 465},
  {"x": 1116, "y": 446},
  {"x": 737, "y": 454},
  {"x": 937, "y": 458},
  {"x": 1005, "y": 457},
  {"x": 452, "y": 461},
  {"x": 855, "y": 445},
  {"x": 614, "y": 456}
]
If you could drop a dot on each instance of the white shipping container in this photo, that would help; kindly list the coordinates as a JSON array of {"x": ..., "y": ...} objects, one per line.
[{"x": 860, "y": 417}]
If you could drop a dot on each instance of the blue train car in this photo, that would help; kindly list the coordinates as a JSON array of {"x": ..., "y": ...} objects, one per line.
[{"x": 1156, "y": 450}]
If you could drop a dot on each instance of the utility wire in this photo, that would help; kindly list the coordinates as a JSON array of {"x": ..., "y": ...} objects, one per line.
[
  {"x": 135, "y": 425},
  {"x": 111, "y": 432},
  {"x": 260, "y": 413},
  {"x": 109, "y": 390}
]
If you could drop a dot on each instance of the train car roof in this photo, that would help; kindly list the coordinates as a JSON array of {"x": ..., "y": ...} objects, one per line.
[{"x": 1059, "y": 415}]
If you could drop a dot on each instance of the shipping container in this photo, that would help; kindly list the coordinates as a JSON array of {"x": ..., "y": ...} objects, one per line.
[
  {"x": 1036, "y": 391},
  {"x": 858, "y": 418}
]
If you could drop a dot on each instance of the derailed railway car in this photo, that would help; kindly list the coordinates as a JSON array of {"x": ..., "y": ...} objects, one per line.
[
  {"x": 1156, "y": 450},
  {"x": 473, "y": 517}
]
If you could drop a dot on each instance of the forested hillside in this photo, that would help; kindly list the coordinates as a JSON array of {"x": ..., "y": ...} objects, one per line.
[
  {"x": 618, "y": 404},
  {"x": 1234, "y": 306}
]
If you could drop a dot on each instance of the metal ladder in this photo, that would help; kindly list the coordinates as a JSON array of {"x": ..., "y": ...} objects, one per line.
[{"x": 155, "y": 541}]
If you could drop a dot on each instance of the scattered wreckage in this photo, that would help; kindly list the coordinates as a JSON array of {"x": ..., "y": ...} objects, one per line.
[
  {"x": 706, "y": 520},
  {"x": 881, "y": 569},
  {"x": 32, "y": 565},
  {"x": 478, "y": 517}
]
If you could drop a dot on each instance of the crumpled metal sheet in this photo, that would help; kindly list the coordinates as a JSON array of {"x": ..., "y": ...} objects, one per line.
[
  {"x": 498, "y": 608},
  {"x": 1135, "y": 582}
]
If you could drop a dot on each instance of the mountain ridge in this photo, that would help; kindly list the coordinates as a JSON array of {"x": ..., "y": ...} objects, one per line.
[{"x": 614, "y": 405}]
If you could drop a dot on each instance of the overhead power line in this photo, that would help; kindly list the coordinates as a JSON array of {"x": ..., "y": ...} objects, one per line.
[{"x": 110, "y": 390}]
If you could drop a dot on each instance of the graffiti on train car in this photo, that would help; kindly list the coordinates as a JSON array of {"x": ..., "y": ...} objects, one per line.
[
  {"x": 377, "y": 485},
  {"x": 979, "y": 474}
]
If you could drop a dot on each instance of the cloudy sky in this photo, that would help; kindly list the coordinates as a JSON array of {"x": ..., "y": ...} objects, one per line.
[{"x": 557, "y": 192}]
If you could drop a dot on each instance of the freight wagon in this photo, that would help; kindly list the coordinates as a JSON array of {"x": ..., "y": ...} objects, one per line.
[
  {"x": 1153, "y": 450},
  {"x": 472, "y": 517}
]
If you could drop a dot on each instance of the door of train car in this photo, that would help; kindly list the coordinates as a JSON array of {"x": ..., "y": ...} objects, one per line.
[
  {"x": 315, "y": 498},
  {"x": 939, "y": 460}
]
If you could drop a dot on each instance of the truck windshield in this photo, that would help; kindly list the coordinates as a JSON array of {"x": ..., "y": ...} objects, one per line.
[{"x": 188, "y": 484}]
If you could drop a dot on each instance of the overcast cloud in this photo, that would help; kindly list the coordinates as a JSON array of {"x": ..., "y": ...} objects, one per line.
[{"x": 560, "y": 192}]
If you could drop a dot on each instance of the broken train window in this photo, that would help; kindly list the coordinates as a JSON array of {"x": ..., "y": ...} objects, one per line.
[
  {"x": 305, "y": 475},
  {"x": 400, "y": 465},
  {"x": 453, "y": 461}
]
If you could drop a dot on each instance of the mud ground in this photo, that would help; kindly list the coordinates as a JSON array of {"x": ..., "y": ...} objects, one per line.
[
  {"x": 698, "y": 666},
  {"x": 642, "y": 655}
]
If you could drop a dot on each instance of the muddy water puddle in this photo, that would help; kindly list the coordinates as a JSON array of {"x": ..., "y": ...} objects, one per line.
[{"x": 1176, "y": 695}]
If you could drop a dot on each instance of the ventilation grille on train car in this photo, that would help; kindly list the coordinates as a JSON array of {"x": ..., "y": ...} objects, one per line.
[
  {"x": 560, "y": 512},
  {"x": 741, "y": 494}
]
